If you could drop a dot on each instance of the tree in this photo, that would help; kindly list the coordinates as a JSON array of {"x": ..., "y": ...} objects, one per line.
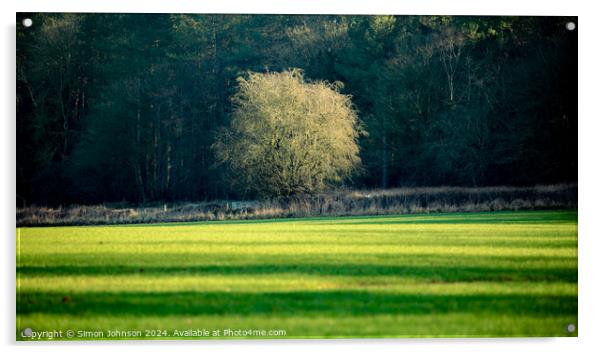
[{"x": 289, "y": 137}]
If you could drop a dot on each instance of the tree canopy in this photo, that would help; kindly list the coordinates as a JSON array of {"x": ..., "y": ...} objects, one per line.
[
  {"x": 126, "y": 107},
  {"x": 289, "y": 137}
]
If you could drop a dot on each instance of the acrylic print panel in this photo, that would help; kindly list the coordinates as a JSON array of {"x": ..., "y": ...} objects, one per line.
[{"x": 185, "y": 176}]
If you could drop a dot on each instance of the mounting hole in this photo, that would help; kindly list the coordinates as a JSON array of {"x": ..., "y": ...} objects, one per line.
[
  {"x": 570, "y": 328},
  {"x": 571, "y": 26},
  {"x": 27, "y": 22}
]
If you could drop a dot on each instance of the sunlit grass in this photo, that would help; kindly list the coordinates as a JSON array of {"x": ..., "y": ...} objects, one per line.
[{"x": 479, "y": 274}]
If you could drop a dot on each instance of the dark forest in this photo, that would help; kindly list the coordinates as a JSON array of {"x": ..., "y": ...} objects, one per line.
[{"x": 127, "y": 107}]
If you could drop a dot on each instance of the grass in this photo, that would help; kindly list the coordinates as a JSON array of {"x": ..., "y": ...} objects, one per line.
[{"x": 445, "y": 275}]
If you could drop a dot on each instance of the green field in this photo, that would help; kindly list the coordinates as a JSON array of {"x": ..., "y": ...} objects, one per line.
[{"x": 479, "y": 274}]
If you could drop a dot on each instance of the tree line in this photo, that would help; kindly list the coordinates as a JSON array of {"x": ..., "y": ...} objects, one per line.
[{"x": 127, "y": 107}]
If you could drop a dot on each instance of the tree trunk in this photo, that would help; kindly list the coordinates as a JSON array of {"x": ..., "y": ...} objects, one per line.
[
  {"x": 385, "y": 162},
  {"x": 137, "y": 162}
]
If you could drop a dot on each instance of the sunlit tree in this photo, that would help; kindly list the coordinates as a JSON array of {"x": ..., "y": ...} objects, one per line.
[{"x": 288, "y": 136}]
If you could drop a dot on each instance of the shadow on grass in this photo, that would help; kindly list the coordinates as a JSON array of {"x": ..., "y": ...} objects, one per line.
[
  {"x": 552, "y": 219},
  {"x": 494, "y": 217},
  {"x": 328, "y": 239},
  {"x": 430, "y": 273},
  {"x": 333, "y": 303}
]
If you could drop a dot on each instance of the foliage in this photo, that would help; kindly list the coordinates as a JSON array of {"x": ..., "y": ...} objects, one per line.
[
  {"x": 288, "y": 137},
  {"x": 115, "y": 107}
]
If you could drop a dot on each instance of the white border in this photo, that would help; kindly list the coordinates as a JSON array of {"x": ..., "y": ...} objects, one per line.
[
  {"x": 590, "y": 178},
  {"x": 442, "y": 7}
]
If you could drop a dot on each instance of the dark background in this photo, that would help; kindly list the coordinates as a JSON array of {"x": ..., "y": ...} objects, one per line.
[{"x": 125, "y": 107}]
